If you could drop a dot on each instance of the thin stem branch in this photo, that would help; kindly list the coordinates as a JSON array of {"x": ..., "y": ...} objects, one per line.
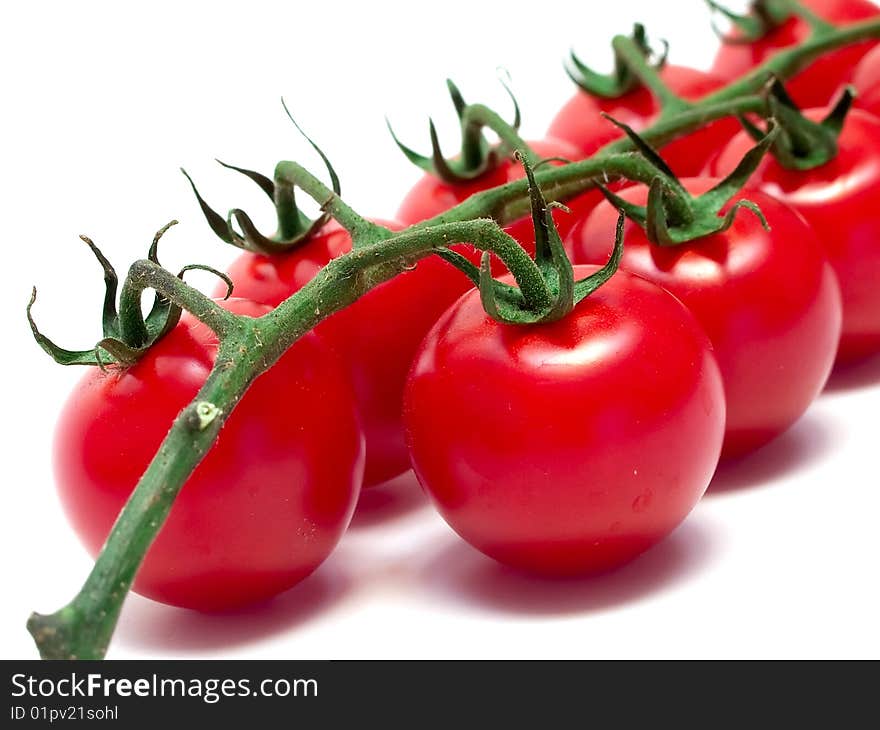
[
  {"x": 627, "y": 51},
  {"x": 145, "y": 274},
  {"x": 345, "y": 279},
  {"x": 479, "y": 115},
  {"x": 665, "y": 130},
  {"x": 361, "y": 229},
  {"x": 508, "y": 203}
]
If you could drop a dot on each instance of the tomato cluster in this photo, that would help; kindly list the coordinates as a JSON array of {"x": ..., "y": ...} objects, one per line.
[
  {"x": 563, "y": 447},
  {"x": 820, "y": 81}
]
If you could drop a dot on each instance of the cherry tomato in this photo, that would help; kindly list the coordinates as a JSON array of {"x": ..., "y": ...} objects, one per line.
[
  {"x": 580, "y": 123},
  {"x": 866, "y": 79},
  {"x": 840, "y": 200},
  {"x": 431, "y": 196},
  {"x": 377, "y": 336},
  {"x": 269, "y": 501},
  {"x": 817, "y": 84},
  {"x": 768, "y": 301},
  {"x": 573, "y": 446}
]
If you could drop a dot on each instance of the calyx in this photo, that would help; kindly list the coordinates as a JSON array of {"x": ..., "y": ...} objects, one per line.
[
  {"x": 476, "y": 157},
  {"x": 673, "y": 216},
  {"x": 763, "y": 17},
  {"x": 127, "y": 333},
  {"x": 622, "y": 79},
  {"x": 504, "y": 302},
  {"x": 294, "y": 227},
  {"x": 801, "y": 144}
]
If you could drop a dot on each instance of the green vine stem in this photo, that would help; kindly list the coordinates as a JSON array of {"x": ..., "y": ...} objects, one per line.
[
  {"x": 505, "y": 203},
  {"x": 628, "y": 52},
  {"x": 669, "y": 128},
  {"x": 817, "y": 24},
  {"x": 478, "y": 116},
  {"x": 248, "y": 347},
  {"x": 362, "y": 230},
  {"x": 787, "y": 62}
]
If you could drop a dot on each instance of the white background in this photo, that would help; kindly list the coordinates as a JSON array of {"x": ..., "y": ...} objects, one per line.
[{"x": 102, "y": 102}]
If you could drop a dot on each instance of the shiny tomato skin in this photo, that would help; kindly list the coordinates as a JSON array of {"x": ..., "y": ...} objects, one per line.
[
  {"x": 269, "y": 501},
  {"x": 769, "y": 302},
  {"x": 580, "y": 122},
  {"x": 840, "y": 200},
  {"x": 819, "y": 82},
  {"x": 430, "y": 196},
  {"x": 376, "y": 337},
  {"x": 570, "y": 447},
  {"x": 866, "y": 80}
]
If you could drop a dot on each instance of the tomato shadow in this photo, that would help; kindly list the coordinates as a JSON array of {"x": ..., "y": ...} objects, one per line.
[
  {"x": 808, "y": 441},
  {"x": 397, "y": 498},
  {"x": 460, "y": 574},
  {"x": 855, "y": 375},
  {"x": 157, "y": 628}
]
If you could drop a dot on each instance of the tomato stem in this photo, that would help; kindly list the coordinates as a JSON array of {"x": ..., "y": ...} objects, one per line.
[
  {"x": 146, "y": 274},
  {"x": 628, "y": 52},
  {"x": 667, "y": 129},
  {"x": 480, "y": 116},
  {"x": 248, "y": 347},
  {"x": 818, "y": 25},
  {"x": 82, "y": 629},
  {"x": 363, "y": 231},
  {"x": 786, "y": 63}
]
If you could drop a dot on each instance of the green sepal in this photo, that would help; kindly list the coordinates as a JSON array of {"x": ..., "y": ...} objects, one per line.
[
  {"x": 550, "y": 254},
  {"x": 58, "y": 354},
  {"x": 462, "y": 263},
  {"x": 802, "y": 143},
  {"x": 291, "y": 220},
  {"x": 763, "y": 17},
  {"x": 225, "y": 278},
  {"x": 505, "y": 302},
  {"x": 665, "y": 227},
  {"x": 656, "y": 226},
  {"x": 717, "y": 197},
  {"x": 476, "y": 157},
  {"x": 294, "y": 227},
  {"x": 585, "y": 287},
  {"x": 263, "y": 182},
  {"x": 496, "y": 296},
  {"x": 163, "y": 316},
  {"x": 677, "y": 197},
  {"x": 112, "y": 348},
  {"x": 111, "y": 284},
  {"x": 642, "y": 146},
  {"x": 119, "y": 352},
  {"x": 621, "y": 80}
]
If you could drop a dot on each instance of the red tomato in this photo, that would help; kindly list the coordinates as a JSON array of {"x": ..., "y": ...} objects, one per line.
[
  {"x": 580, "y": 123},
  {"x": 377, "y": 336},
  {"x": 572, "y": 446},
  {"x": 866, "y": 79},
  {"x": 431, "y": 196},
  {"x": 821, "y": 80},
  {"x": 841, "y": 201},
  {"x": 768, "y": 301},
  {"x": 266, "y": 505}
]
